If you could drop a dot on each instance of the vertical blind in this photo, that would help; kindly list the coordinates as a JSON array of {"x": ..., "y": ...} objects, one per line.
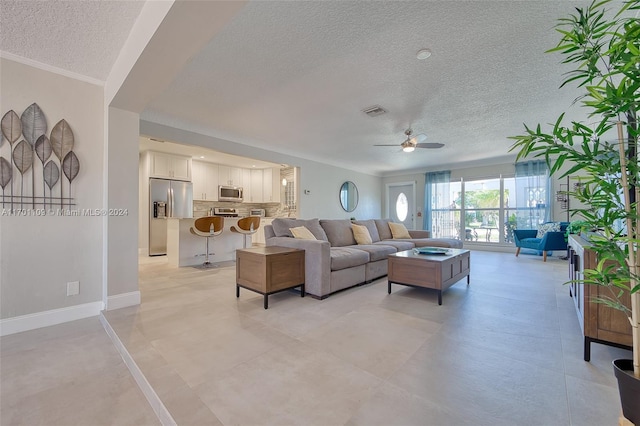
[
  {"x": 430, "y": 179},
  {"x": 533, "y": 191}
]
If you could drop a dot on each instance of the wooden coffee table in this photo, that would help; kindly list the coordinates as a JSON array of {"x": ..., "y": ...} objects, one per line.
[{"x": 436, "y": 271}]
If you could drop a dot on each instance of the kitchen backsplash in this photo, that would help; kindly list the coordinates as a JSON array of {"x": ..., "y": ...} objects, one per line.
[{"x": 201, "y": 208}]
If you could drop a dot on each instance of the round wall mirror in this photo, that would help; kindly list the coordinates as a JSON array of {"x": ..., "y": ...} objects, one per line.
[{"x": 349, "y": 196}]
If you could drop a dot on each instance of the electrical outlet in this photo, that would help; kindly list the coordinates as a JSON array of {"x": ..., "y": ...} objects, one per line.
[
  {"x": 307, "y": 192},
  {"x": 73, "y": 288}
]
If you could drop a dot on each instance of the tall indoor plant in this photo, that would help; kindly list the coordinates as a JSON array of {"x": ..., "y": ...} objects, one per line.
[{"x": 604, "y": 47}]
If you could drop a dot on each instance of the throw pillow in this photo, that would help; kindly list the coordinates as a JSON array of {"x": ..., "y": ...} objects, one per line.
[
  {"x": 398, "y": 230},
  {"x": 547, "y": 227},
  {"x": 361, "y": 234},
  {"x": 302, "y": 233}
]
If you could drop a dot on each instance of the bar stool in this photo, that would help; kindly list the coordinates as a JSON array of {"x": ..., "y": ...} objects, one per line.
[
  {"x": 247, "y": 226},
  {"x": 208, "y": 227}
]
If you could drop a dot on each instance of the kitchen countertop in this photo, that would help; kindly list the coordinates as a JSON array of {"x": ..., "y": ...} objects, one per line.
[{"x": 186, "y": 249}]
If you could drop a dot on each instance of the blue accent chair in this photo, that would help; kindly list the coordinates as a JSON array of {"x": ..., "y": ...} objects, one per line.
[{"x": 526, "y": 238}]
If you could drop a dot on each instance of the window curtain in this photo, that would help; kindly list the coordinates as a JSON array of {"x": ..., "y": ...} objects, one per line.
[
  {"x": 533, "y": 194},
  {"x": 430, "y": 202}
]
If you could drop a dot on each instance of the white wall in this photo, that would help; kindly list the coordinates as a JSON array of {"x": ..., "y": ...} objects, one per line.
[
  {"x": 122, "y": 191},
  {"x": 41, "y": 254}
]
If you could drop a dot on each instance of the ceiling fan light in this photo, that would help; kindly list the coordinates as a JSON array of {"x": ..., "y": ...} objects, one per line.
[{"x": 409, "y": 148}]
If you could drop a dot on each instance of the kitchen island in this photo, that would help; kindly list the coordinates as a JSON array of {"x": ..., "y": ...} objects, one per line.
[{"x": 186, "y": 249}]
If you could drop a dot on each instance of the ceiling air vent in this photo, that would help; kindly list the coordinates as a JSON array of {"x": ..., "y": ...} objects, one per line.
[{"x": 374, "y": 111}]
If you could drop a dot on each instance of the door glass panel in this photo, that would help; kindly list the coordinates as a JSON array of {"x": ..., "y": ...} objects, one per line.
[{"x": 402, "y": 207}]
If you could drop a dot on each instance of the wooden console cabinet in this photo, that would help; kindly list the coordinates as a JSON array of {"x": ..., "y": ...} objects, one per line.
[{"x": 599, "y": 323}]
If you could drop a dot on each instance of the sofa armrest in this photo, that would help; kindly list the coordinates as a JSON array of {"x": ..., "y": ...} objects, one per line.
[
  {"x": 419, "y": 233},
  {"x": 317, "y": 262},
  {"x": 553, "y": 241}
]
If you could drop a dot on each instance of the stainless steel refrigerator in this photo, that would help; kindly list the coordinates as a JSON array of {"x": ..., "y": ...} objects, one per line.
[{"x": 167, "y": 198}]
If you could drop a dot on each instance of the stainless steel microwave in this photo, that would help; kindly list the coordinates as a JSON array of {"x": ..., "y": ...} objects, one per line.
[{"x": 230, "y": 193}]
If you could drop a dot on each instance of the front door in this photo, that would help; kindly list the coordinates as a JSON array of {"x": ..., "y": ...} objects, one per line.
[{"x": 401, "y": 203}]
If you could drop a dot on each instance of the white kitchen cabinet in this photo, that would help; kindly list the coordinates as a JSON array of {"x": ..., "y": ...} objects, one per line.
[
  {"x": 205, "y": 181},
  {"x": 256, "y": 186},
  {"x": 169, "y": 166},
  {"x": 230, "y": 176},
  {"x": 271, "y": 185},
  {"x": 246, "y": 185}
]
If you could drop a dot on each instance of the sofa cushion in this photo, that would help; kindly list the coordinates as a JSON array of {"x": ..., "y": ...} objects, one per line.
[
  {"x": 532, "y": 243},
  {"x": 383, "y": 229},
  {"x": 282, "y": 225},
  {"x": 376, "y": 251},
  {"x": 302, "y": 233},
  {"x": 371, "y": 227},
  {"x": 547, "y": 227},
  {"x": 338, "y": 232},
  {"x": 400, "y": 245},
  {"x": 361, "y": 234},
  {"x": 346, "y": 257},
  {"x": 399, "y": 231}
]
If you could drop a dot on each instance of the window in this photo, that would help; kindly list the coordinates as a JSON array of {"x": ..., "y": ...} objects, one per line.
[{"x": 488, "y": 210}]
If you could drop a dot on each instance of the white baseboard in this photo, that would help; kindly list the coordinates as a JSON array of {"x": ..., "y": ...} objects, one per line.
[
  {"x": 123, "y": 300},
  {"x": 152, "y": 397},
  {"x": 47, "y": 318}
]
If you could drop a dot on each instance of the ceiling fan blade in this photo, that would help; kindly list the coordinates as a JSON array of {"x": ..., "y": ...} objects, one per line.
[
  {"x": 395, "y": 144},
  {"x": 418, "y": 139},
  {"x": 430, "y": 145}
]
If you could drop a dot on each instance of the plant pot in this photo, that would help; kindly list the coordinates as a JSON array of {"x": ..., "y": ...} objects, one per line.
[{"x": 629, "y": 388}]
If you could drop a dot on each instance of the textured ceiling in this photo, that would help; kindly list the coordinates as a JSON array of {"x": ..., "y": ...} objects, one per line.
[
  {"x": 293, "y": 77},
  {"x": 79, "y": 36}
]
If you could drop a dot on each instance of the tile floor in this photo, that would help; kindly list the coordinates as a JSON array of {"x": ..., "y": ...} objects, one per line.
[
  {"x": 68, "y": 374},
  {"x": 506, "y": 350}
]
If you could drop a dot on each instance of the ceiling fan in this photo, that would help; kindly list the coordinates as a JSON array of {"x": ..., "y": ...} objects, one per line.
[{"x": 414, "y": 142}]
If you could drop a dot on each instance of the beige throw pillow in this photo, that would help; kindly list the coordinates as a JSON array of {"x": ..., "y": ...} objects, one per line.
[
  {"x": 399, "y": 231},
  {"x": 361, "y": 234},
  {"x": 302, "y": 233}
]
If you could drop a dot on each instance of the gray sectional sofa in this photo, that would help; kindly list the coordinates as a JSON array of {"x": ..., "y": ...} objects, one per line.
[{"x": 335, "y": 261}]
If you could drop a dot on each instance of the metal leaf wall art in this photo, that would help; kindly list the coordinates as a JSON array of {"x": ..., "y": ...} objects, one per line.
[
  {"x": 51, "y": 174},
  {"x": 11, "y": 130},
  {"x": 34, "y": 125},
  {"x": 5, "y": 176},
  {"x": 28, "y": 139},
  {"x": 11, "y": 126},
  {"x": 43, "y": 151},
  {"x": 23, "y": 159},
  {"x": 70, "y": 167}
]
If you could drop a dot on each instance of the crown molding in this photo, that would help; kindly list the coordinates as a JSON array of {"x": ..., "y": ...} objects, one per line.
[{"x": 50, "y": 68}]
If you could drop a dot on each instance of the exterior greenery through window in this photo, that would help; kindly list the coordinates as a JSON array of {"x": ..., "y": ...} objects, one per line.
[{"x": 488, "y": 210}]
